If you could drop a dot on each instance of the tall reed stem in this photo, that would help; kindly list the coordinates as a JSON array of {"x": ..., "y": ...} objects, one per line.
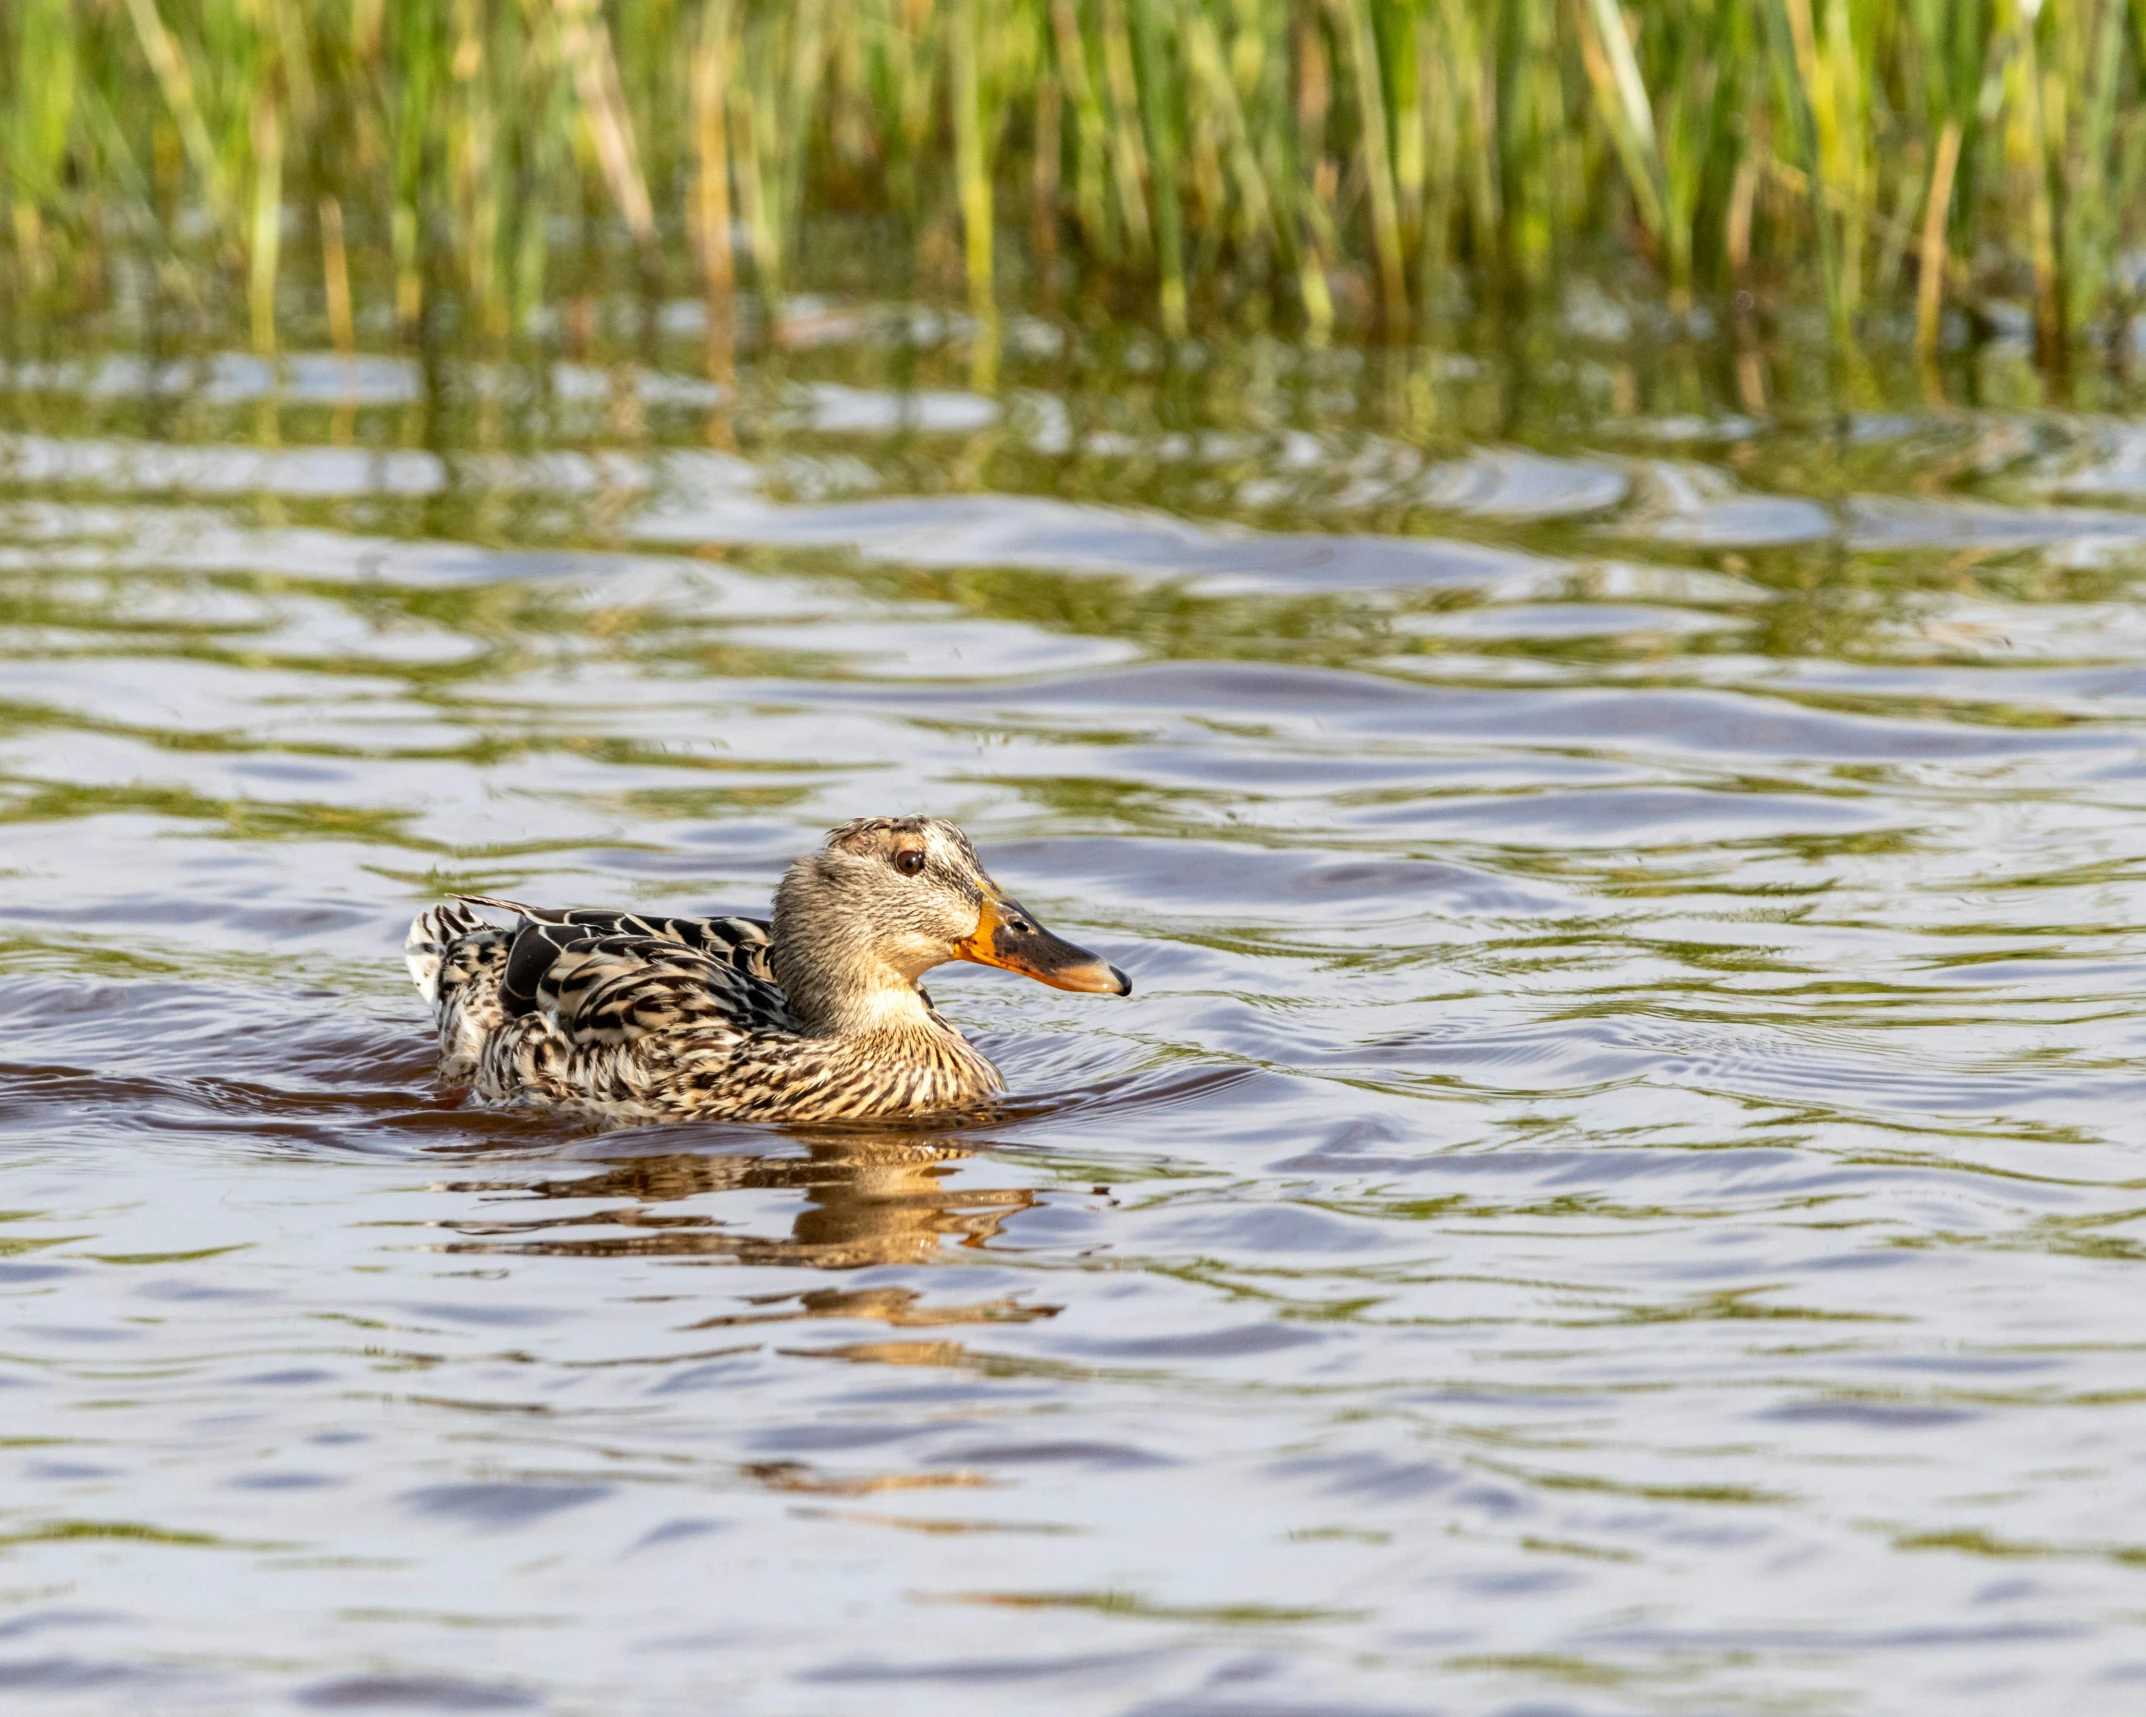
[{"x": 1930, "y": 278}]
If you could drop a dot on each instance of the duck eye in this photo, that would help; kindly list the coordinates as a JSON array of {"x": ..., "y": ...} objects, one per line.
[{"x": 909, "y": 861}]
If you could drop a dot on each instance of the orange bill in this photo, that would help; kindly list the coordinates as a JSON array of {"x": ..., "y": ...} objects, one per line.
[{"x": 1008, "y": 935}]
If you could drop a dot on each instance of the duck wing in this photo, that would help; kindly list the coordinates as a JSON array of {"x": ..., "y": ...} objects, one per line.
[{"x": 609, "y": 977}]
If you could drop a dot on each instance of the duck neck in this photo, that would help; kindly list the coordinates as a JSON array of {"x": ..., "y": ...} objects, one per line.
[
  {"x": 837, "y": 986},
  {"x": 881, "y": 1012}
]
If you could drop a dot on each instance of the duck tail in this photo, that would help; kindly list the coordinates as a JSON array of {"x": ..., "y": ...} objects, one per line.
[
  {"x": 457, "y": 960},
  {"x": 432, "y": 932},
  {"x": 499, "y": 905}
]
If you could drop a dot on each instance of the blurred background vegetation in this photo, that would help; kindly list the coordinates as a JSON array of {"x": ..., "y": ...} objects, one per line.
[{"x": 382, "y": 172}]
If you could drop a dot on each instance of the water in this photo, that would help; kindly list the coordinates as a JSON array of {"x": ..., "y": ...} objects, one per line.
[{"x": 1617, "y": 1190}]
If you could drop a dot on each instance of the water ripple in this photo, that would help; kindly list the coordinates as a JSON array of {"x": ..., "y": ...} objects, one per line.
[{"x": 1615, "y": 1188}]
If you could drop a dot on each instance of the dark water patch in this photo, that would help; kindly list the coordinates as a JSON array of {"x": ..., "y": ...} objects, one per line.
[
  {"x": 38, "y": 1621},
  {"x": 489, "y": 1315},
  {"x": 1370, "y": 1473},
  {"x": 412, "y": 1693},
  {"x": 680, "y": 1531},
  {"x": 825, "y": 1437},
  {"x": 1874, "y": 1415},
  {"x": 500, "y": 1505},
  {"x": 1087, "y": 1669},
  {"x": 24, "y": 1274},
  {"x": 1061, "y": 1453},
  {"x": 1311, "y": 1705},
  {"x": 63, "y": 1675},
  {"x": 1845, "y": 1639},
  {"x": 1207, "y": 1344},
  {"x": 1964, "y": 1364}
]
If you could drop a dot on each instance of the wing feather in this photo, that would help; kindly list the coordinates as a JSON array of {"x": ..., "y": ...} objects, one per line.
[
  {"x": 547, "y": 935},
  {"x": 607, "y": 978}
]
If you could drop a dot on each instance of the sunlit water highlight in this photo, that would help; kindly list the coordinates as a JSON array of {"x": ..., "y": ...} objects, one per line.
[{"x": 1617, "y": 1189}]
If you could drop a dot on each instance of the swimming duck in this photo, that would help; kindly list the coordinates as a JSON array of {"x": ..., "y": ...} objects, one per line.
[{"x": 815, "y": 1016}]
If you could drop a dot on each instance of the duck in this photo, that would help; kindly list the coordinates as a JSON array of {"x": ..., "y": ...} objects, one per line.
[{"x": 814, "y": 1015}]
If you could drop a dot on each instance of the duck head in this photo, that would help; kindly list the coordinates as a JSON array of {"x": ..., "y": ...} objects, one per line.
[{"x": 887, "y": 899}]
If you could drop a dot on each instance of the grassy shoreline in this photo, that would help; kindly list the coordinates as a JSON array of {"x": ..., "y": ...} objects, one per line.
[{"x": 1361, "y": 166}]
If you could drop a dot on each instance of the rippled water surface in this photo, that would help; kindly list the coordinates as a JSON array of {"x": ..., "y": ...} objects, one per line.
[{"x": 1618, "y": 1188}]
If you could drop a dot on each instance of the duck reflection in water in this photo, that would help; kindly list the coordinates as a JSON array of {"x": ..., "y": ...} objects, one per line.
[{"x": 868, "y": 1200}]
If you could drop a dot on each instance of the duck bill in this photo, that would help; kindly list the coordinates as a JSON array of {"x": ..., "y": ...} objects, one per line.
[{"x": 1008, "y": 936}]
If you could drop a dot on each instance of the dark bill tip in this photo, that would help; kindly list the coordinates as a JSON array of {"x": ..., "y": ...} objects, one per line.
[
  {"x": 1009, "y": 936},
  {"x": 1087, "y": 974}
]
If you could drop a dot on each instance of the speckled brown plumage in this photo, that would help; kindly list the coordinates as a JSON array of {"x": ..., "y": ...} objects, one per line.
[{"x": 817, "y": 1016}]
